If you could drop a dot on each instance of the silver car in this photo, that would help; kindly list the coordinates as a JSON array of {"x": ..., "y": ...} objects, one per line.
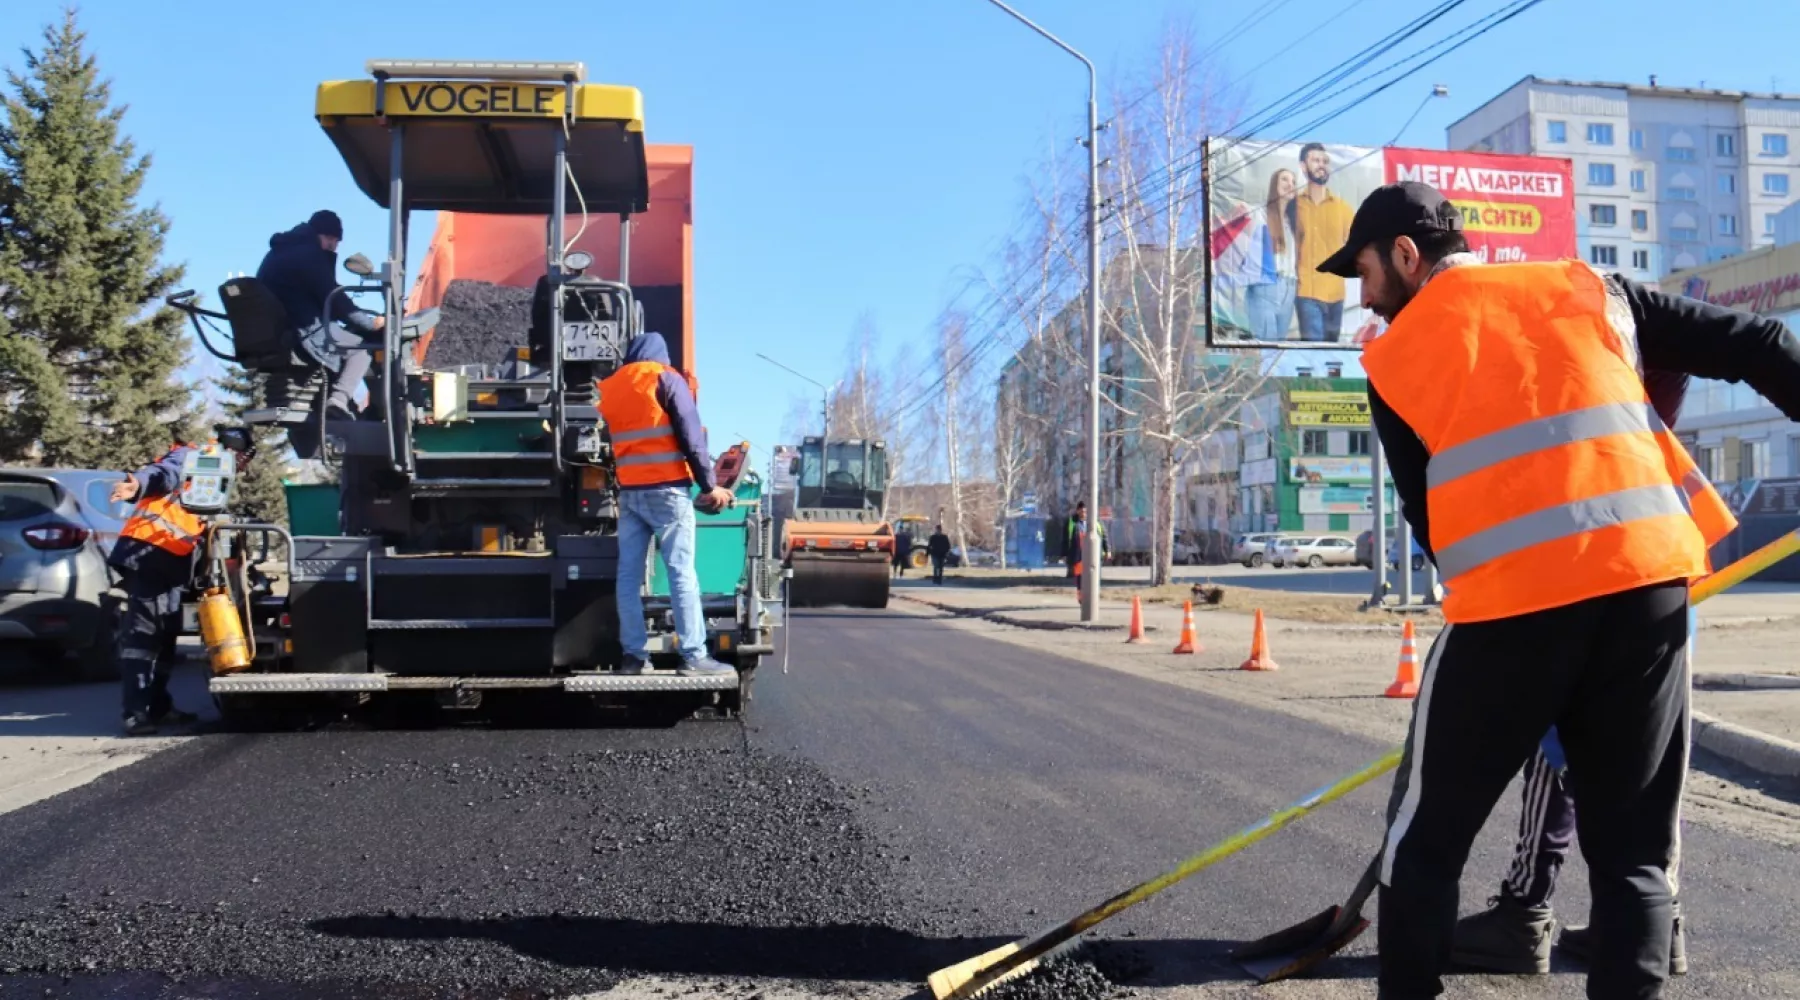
[
  {"x": 56, "y": 596},
  {"x": 1315, "y": 551},
  {"x": 1251, "y": 549}
]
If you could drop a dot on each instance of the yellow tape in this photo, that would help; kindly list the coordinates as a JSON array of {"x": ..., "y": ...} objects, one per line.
[{"x": 971, "y": 977}]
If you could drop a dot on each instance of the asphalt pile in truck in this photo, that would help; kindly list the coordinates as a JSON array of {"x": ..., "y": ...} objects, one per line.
[{"x": 479, "y": 324}]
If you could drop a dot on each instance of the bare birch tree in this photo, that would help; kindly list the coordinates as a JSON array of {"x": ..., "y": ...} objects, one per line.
[{"x": 1168, "y": 395}]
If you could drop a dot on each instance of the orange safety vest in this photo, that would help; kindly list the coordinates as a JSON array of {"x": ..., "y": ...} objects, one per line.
[
  {"x": 163, "y": 522},
  {"x": 1551, "y": 479},
  {"x": 645, "y": 449}
]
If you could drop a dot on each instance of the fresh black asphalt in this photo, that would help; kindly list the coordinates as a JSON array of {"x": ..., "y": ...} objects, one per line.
[{"x": 908, "y": 796}]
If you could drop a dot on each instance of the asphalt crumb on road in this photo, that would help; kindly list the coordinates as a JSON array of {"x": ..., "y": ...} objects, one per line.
[{"x": 467, "y": 864}]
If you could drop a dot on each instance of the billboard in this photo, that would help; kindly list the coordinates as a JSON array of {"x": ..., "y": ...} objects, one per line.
[
  {"x": 1276, "y": 210},
  {"x": 1328, "y": 409},
  {"x": 1331, "y": 469},
  {"x": 1343, "y": 499}
]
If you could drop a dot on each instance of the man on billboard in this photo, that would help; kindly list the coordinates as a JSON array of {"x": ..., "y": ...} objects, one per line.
[{"x": 1324, "y": 223}]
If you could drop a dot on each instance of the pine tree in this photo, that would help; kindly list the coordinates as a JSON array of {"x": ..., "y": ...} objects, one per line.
[
  {"x": 87, "y": 373},
  {"x": 258, "y": 494}
]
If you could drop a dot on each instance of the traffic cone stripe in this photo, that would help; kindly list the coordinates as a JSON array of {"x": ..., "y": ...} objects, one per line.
[
  {"x": 1260, "y": 658},
  {"x": 1190, "y": 643},
  {"x": 1406, "y": 678}
]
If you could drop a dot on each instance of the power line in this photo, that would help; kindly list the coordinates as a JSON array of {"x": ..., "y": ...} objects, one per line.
[
  {"x": 1296, "y": 102},
  {"x": 1471, "y": 33}
]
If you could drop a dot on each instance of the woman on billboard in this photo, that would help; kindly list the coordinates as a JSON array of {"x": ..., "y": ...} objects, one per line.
[{"x": 1261, "y": 257}]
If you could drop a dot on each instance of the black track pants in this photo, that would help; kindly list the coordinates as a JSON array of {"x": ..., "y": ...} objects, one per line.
[
  {"x": 1546, "y": 830},
  {"x": 1611, "y": 674}
]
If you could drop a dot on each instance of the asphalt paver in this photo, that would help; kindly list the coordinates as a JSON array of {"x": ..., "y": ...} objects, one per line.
[{"x": 907, "y": 797}]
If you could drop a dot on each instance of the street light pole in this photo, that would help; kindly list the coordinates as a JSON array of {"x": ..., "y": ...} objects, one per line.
[
  {"x": 1090, "y": 558},
  {"x": 824, "y": 400}
]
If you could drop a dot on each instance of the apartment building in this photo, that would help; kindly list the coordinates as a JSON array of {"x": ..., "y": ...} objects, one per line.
[{"x": 1666, "y": 178}]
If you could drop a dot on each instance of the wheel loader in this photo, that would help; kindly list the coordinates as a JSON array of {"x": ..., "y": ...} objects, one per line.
[{"x": 475, "y": 545}]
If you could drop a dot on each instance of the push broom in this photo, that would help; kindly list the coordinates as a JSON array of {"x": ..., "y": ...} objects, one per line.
[{"x": 1294, "y": 949}]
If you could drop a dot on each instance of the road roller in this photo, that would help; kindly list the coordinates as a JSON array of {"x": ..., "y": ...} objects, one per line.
[{"x": 836, "y": 543}]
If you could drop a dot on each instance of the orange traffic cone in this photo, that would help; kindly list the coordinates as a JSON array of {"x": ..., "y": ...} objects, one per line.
[
  {"x": 1259, "y": 648},
  {"x": 1189, "y": 643},
  {"x": 1406, "y": 680},
  {"x": 1137, "y": 621}
]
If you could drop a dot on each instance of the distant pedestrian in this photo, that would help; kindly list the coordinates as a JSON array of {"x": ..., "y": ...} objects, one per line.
[
  {"x": 1075, "y": 542},
  {"x": 903, "y": 546},
  {"x": 938, "y": 548}
]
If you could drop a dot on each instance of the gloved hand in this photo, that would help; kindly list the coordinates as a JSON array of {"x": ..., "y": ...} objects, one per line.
[{"x": 714, "y": 500}]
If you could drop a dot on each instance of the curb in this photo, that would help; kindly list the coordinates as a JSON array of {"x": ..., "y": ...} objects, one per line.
[
  {"x": 1746, "y": 682},
  {"x": 1002, "y": 618},
  {"x": 1757, "y": 751}
]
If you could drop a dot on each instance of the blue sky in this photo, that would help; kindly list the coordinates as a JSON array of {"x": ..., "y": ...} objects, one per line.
[{"x": 851, "y": 157}]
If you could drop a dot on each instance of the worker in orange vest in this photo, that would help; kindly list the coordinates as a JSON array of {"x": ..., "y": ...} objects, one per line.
[
  {"x": 1567, "y": 522},
  {"x": 659, "y": 453},
  {"x": 154, "y": 557}
]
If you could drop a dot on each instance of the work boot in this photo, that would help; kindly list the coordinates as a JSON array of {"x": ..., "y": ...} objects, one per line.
[
  {"x": 139, "y": 724},
  {"x": 1577, "y": 943},
  {"x": 631, "y": 666},
  {"x": 1507, "y": 937},
  {"x": 704, "y": 666}
]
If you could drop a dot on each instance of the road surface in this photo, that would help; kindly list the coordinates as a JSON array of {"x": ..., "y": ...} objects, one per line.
[{"x": 908, "y": 796}]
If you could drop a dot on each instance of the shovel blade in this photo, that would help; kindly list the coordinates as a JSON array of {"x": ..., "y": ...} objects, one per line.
[{"x": 1294, "y": 950}]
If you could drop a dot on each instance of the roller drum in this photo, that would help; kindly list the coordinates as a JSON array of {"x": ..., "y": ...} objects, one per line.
[{"x": 824, "y": 582}]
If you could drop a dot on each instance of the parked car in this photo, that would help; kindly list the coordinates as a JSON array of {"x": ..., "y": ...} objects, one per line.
[
  {"x": 1365, "y": 549},
  {"x": 1251, "y": 549},
  {"x": 1315, "y": 551},
  {"x": 93, "y": 490},
  {"x": 1418, "y": 554},
  {"x": 55, "y": 587}
]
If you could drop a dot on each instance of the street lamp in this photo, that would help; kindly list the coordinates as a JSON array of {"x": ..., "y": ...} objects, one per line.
[
  {"x": 1378, "y": 479},
  {"x": 824, "y": 400},
  {"x": 1090, "y": 574}
]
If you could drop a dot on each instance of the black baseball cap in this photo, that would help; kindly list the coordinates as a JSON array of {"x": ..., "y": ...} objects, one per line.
[{"x": 1408, "y": 208}]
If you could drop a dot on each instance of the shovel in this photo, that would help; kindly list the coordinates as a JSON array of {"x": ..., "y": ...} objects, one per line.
[{"x": 1297, "y": 949}]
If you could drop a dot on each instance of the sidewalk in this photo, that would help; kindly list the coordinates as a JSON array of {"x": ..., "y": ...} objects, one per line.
[{"x": 1746, "y": 678}]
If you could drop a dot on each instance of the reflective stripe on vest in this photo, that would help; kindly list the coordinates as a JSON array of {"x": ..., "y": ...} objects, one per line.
[
  {"x": 1560, "y": 521},
  {"x": 645, "y": 449},
  {"x": 1551, "y": 478},
  {"x": 1536, "y": 435}
]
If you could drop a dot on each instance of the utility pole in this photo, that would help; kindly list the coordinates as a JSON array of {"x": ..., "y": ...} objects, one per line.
[
  {"x": 1090, "y": 558},
  {"x": 824, "y": 400}
]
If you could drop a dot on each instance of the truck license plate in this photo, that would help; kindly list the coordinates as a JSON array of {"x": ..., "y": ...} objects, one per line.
[{"x": 590, "y": 341}]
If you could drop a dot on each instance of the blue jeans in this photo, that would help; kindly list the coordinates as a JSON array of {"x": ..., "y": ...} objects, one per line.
[
  {"x": 666, "y": 514},
  {"x": 1320, "y": 321},
  {"x": 1271, "y": 308}
]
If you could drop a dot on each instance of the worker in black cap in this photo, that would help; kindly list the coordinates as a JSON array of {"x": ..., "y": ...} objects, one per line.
[
  {"x": 1568, "y": 522},
  {"x": 301, "y": 270}
]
